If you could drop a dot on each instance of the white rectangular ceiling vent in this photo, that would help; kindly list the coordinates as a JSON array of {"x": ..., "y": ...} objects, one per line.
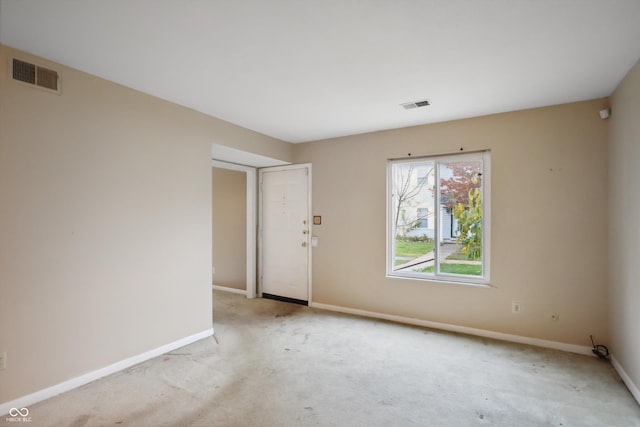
[
  {"x": 35, "y": 75},
  {"x": 415, "y": 104}
]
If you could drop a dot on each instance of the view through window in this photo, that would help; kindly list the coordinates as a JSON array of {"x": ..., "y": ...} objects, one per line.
[{"x": 438, "y": 224}]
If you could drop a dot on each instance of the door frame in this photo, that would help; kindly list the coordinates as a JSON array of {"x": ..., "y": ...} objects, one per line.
[
  {"x": 261, "y": 171},
  {"x": 251, "y": 221}
]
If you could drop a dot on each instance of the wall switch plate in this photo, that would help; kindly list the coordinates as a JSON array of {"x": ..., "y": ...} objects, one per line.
[
  {"x": 3, "y": 360},
  {"x": 516, "y": 307}
]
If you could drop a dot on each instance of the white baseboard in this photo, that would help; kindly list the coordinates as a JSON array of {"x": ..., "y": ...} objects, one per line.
[
  {"x": 227, "y": 289},
  {"x": 635, "y": 391},
  {"x": 572, "y": 348},
  {"x": 73, "y": 383}
]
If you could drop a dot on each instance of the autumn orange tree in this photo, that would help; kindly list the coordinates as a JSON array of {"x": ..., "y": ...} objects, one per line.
[
  {"x": 455, "y": 190},
  {"x": 470, "y": 225},
  {"x": 461, "y": 193}
]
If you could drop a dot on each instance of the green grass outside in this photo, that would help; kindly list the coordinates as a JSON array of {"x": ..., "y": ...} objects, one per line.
[
  {"x": 459, "y": 256},
  {"x": 412, "y": 249},
  {"x": 468, "y": 269}
]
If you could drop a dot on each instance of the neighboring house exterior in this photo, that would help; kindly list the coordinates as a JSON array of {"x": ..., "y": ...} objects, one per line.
[
  {"x": 417, "y": 214},
  {"x": 448, "y": 231}
]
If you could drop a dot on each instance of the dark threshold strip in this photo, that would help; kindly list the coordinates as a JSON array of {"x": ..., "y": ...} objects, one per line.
[{"x": 285, "y": 299}]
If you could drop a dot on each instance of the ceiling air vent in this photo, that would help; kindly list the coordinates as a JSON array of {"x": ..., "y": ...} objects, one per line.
[
  {"x": 34, "y": 75},
  {"x": 415, "y": 104}
]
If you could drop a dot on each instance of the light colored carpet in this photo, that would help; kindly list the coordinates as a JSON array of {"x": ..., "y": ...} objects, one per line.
[{"x": 278, "y": 364}]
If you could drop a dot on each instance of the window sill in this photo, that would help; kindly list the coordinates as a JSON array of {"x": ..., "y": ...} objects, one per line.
[{"x": 442, "y": 280}]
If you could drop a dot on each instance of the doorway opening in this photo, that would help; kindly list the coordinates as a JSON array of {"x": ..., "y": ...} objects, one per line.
[
  {"x": 233, "y": 228},
  {"x": 228, "y": 158}
]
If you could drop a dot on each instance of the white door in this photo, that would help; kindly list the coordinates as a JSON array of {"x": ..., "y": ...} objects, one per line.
[{"x": 284, "y": 232}]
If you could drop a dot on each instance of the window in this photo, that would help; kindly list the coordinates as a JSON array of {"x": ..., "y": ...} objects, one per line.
[
  {"x": 422, "y": 217},
  {"x": 422, "y": 179},
  {"x": 438, "y": 219}
]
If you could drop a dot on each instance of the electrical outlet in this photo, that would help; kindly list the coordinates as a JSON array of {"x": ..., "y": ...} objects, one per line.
[
  {"x": 3, "y": 360},
  {"x": 516, "y": 307}
]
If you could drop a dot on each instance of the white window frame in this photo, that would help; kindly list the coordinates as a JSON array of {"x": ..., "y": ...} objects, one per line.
[{"x": 484, "y": 280}]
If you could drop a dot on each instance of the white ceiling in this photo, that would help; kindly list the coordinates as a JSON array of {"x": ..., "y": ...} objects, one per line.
[{"x": 302, "y": 70}]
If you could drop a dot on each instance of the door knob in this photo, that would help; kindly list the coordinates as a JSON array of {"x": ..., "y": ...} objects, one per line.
[{"x": 304, "y": 244}]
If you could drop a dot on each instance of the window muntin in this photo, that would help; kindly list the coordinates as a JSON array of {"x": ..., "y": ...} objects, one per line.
[{"x": 438, "y": 218}]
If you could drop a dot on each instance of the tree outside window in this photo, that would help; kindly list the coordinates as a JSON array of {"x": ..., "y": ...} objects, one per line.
[{"x": 437, "y": 226}]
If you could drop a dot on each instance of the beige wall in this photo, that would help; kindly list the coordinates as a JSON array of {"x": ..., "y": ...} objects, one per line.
[
  {"x": 624, "y": 230},
  {"x": 229, "y": 228},
  {"x": 548, "y": 223},
  {"x": 105, "y": 224}
]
